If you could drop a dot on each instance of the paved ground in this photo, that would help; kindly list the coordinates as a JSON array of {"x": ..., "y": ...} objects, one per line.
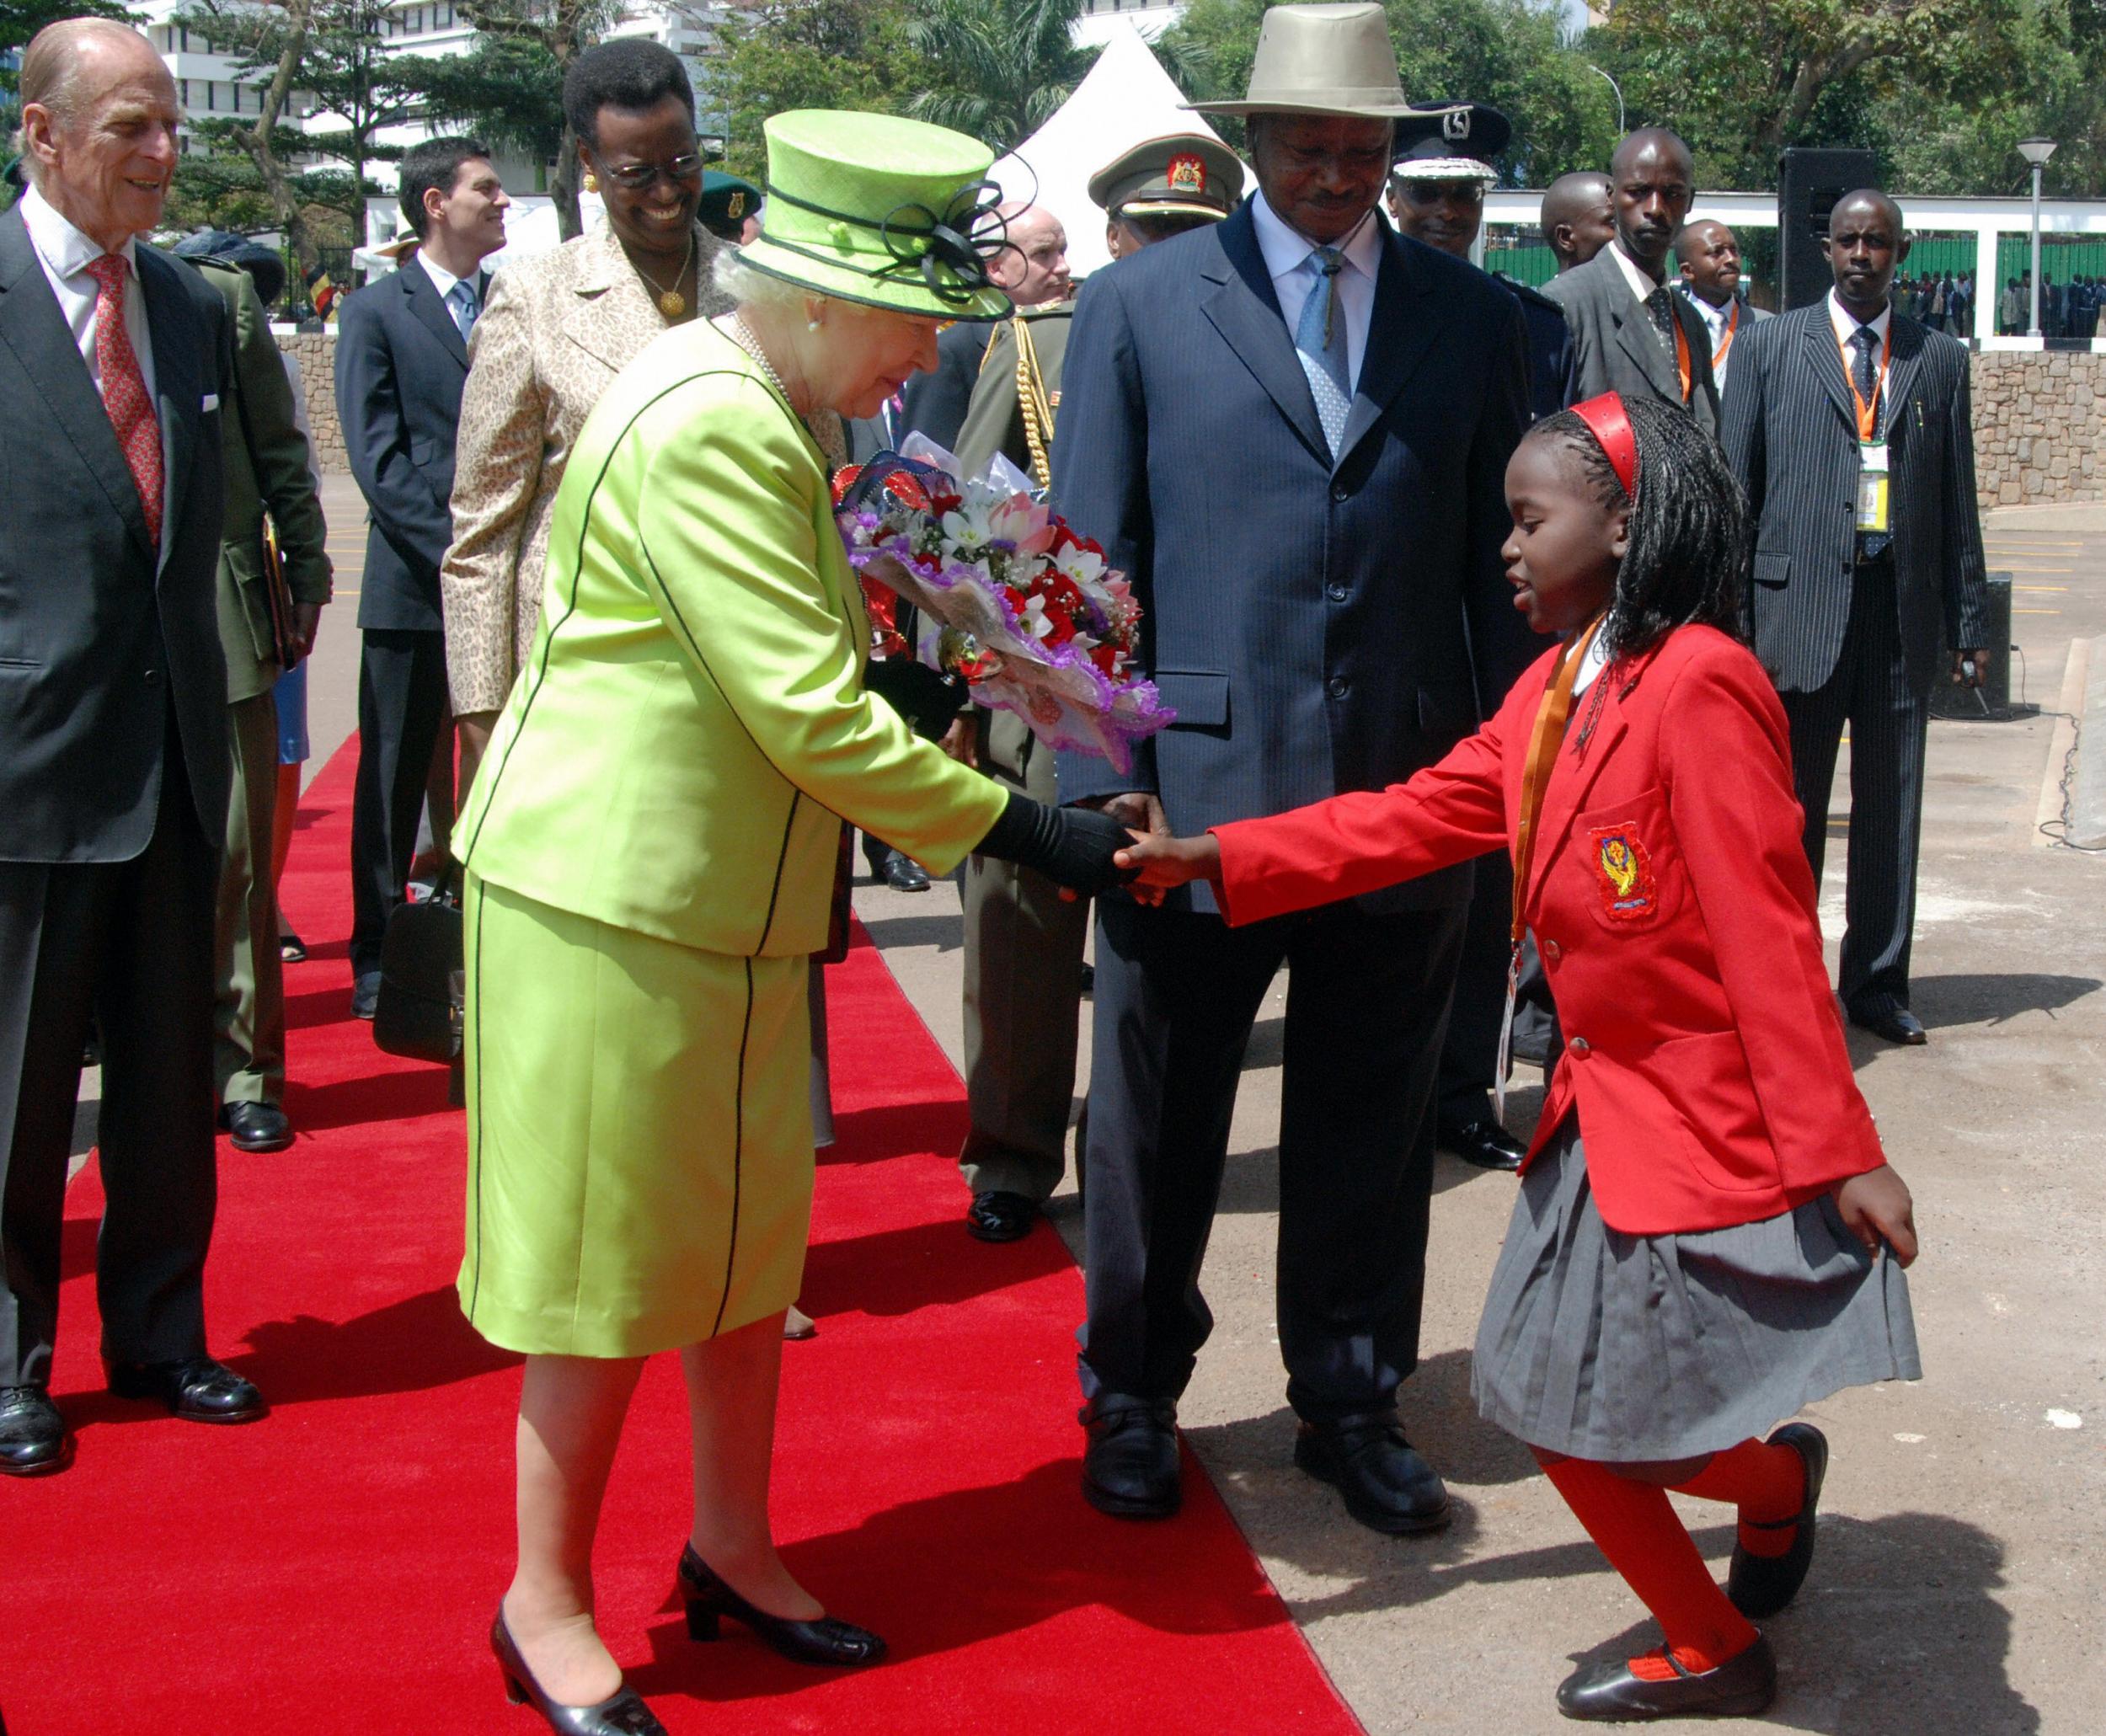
[{"x": 1959, "y": 1586}]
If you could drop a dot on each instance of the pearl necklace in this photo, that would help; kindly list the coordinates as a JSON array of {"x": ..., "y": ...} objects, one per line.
[
  {"x": 741, "y": 334},
  {"x": 825, "y": 427}
]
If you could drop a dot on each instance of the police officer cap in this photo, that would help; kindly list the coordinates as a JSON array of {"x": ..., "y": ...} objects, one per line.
[
  {"x": 727, "y": 202},
  {"x": 1451, "y": 141},
  {"x": 1185, "y": 175}
]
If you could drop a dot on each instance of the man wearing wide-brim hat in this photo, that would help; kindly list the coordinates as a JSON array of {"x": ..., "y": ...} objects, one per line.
[{"x": 1292, "y": 430}]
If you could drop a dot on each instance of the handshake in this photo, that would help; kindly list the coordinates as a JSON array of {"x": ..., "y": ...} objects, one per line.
[{"x": 1088, "y": 849}]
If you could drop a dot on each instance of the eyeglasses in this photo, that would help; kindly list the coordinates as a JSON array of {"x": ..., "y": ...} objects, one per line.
[
  {"x": 637, "y": 176},
  {"x": 1419, "y": 192}
]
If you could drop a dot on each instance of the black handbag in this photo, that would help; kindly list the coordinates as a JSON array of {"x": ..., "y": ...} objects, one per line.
[{"x": 424, "y": 977}]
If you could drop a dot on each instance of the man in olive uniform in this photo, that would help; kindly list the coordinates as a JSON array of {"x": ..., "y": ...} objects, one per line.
[
  {"x": 1436, "y": 194},
  {"x": 1023, "y": 943},
  {"x": 267, "y": 469}
]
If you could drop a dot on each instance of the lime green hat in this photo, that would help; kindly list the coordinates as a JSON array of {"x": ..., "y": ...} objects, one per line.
[{"x": 872, "y": 208}]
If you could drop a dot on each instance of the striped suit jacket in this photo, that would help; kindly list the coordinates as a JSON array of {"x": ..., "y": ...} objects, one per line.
[
  {"x": 1318, "y": 624},
  {"x": 1790, "y": 432}
]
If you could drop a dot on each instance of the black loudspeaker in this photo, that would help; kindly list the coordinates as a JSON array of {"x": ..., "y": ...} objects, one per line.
[
  {"x": 1809, "y": 180},
  {"x": 1991, "y": 701}
]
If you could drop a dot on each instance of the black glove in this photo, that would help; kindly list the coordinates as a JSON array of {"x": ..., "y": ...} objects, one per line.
[
  {"x": 1070, "y": 846},
  {"x": 927, "y": 700}
]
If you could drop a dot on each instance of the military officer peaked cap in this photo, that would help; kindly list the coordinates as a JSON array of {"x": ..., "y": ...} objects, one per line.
[
  {"x": 1451, "y": 141},
  {"x": 1188, "y": 174}
]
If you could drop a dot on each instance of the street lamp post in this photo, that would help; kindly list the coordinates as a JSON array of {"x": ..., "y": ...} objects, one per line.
[
  {"x": 2036, "y": 152},
  {"x": 1618, "y": 89}
]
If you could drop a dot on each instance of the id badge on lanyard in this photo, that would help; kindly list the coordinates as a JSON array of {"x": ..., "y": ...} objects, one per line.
[{"x": 1873, "y": 493}]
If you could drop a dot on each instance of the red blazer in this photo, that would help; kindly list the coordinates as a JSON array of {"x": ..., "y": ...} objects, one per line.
[{"x": 1674, "y": 908}]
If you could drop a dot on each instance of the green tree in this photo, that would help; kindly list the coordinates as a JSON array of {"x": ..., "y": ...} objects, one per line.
[
  {"x": 558, "y": 31},
  {"x": 810, "y": 54},
  {"x": 507, "y": 93},
  {"x": 1508, "y": 53},
  {"x": 1005, "y": 65}
]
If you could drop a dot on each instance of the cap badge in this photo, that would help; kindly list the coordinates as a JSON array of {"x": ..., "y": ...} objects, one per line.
[
  {"x": 736, "y": 205},
  {"x": 1187, "y": 174},
  {"x": 1455, "y": 126}
]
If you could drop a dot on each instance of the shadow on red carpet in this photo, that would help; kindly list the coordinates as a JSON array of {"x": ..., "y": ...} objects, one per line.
[{"x": 333, "y": 1569}]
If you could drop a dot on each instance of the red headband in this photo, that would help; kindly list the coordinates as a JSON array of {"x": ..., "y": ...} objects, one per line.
[{"x": 1609, "y": 422}]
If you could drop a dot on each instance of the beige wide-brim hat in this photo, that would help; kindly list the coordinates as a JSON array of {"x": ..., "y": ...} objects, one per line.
[{"x": 1322, "y": 60}]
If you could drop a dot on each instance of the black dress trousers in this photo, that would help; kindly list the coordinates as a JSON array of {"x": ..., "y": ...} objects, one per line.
[
  {"x": 402, "y": 707},
  {"x": 129, "y": 943},
  {"x": 1176, "y": 995}
]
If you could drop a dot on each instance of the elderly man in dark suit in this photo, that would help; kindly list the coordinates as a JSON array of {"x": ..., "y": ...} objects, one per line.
[
  {"x": 1631, "y": 331},
  {"x": 1849, "y": 424},
  {"x": 115, "y": 365},
  {"x": 1292, "y": 430},
  {"x": 401, "y": 358}
]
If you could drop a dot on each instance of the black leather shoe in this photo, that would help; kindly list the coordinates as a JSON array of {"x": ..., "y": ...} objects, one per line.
[
  {"x": 996, "y": 1216},
  {"x": 823, "y": 1641},
  {"x": 196, "y": 1389},
  {"x": 902, "y": 874},
  {"x": 1608, "y": 1693},
  {"x": 256, "y": 1127},
  {"x": 1129, "y": 1467},
  {"x": 621, "y": 1713},
  {"x": 1897, "y": 1024},
  {"x": 1759, "y": 1585},
  {"x": 1484, "y": 1144},
  {"x": 34, "y": 1438},
  {"x": 365, "y": 994},
  {"x": 1386, "y": 1486}
]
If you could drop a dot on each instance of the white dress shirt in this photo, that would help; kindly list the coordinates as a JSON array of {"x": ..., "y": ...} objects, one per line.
[
  {"x": 1633, "y": 273},
  {"x": 1846, "y": 322},
  {"x": 1287, "y": 252},
  {"x": 66, "y": 254},
  {"x": 1716, "y": 321}
]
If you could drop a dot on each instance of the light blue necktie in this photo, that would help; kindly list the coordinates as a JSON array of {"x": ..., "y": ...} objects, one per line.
[
  {"x": 460, "y": 298},
  {"x": 1320, "y": 341}
]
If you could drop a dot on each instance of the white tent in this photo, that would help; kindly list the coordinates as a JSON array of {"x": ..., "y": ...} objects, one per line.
[{"x": 1127, "y": 100}]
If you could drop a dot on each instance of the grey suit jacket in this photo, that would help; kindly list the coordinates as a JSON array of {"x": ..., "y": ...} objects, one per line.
[
  {"x": 401, "y": 366},
  {"x": 1616, "y": 348},
  {"x": 1318, "y": 624},
  {"x": 1791, "y": 436},
  {"x": 101, "y": 638}
]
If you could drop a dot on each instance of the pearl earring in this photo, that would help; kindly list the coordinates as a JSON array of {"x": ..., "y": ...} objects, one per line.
[{"x": 811, "y": 325}]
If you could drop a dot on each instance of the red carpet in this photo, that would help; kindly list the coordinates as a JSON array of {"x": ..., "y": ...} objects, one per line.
[{"x": 333, "y": 1569}]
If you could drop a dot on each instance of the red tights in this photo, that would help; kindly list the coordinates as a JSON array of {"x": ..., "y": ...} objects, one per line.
[{"x": 1626, "y": 1511}]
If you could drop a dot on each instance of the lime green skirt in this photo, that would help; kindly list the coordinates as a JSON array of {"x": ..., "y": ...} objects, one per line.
[{"x": 639, "y": 1134}]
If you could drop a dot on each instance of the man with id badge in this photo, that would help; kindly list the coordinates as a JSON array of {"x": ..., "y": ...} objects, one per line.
[{"x": 1849, "y": 424}]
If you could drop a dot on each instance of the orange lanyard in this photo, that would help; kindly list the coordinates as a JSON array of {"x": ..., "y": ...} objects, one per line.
[
  {"x": 1867, "y": 414},
  {"x": 1544, "y": 740},
  {"x": 1681, "y": 353},
  {"x": 1733, "y": 327}
]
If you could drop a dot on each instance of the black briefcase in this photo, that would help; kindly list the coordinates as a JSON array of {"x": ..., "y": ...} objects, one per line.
[{"x": 423, "y": 977}]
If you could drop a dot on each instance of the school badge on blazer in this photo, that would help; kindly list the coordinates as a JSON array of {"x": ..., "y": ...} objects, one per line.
[{"x": 1625, "y": 871}]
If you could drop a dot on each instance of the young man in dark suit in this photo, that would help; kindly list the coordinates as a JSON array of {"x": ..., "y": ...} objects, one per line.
[
  {"x": 1849, "y": 425},
  {"x": 1709, "y": 256},
  {"x": 116, "y": 366},
  {"x": 402, "y": 357},
  {"x": 1291, "y": 430},
  {"x": 1631, "y": 331}
]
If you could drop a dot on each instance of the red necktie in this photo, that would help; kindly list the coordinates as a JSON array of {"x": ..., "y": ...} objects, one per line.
[{"x": 125, "y": 387}]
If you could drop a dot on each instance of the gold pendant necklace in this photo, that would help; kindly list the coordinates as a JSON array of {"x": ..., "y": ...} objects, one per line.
[{"x": 670, "y": 302}]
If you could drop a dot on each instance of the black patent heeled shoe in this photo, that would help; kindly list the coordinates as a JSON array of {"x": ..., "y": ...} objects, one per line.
[
  {"x": 621, "y": 1713},
  {"x": 824, "y": 1641}
]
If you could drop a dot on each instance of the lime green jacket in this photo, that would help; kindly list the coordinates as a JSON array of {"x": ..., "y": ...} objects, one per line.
[{"x": 690, "y": 727}]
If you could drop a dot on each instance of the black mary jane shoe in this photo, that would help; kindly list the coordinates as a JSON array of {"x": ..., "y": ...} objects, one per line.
[
  {"x": 196, "y": 1389},
  {"x": 621, "y": 1713},
  {"x": 1610, "y": 1693},
  {"x": 1759, "y": 1585},
  {"x": 1384, "y": 1483},
  {"x": 825, "y": 1640}
]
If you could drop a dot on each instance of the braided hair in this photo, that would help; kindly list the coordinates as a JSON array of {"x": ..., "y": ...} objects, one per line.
[{"x": 1689, "y": 550}]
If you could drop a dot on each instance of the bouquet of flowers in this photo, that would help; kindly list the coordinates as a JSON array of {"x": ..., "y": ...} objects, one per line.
[{"x": 1009, "y": 596}]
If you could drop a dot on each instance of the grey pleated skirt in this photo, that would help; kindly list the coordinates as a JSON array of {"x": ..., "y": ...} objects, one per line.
[{"x": 1599, "y": 1345}]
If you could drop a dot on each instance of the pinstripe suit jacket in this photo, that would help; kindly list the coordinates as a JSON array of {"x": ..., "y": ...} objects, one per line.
[
  {"x": 1616, "y": 348},
  {"x": 1791, "y": 433},
  {"x": 1318, "y": 626}
]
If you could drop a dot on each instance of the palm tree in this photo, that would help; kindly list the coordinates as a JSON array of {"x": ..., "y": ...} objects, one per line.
[{"x": 1004, "y": 66}]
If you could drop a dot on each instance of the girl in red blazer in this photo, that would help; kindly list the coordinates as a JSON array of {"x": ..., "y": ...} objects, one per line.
[{"x": 1697, "y": 1248}]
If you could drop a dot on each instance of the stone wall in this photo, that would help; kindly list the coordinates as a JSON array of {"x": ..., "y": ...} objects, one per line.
[
  {"x": 316, "y": 352},
  {"x": 2040, "y": 427}
]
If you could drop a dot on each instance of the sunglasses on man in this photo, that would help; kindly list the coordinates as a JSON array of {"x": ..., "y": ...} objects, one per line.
[{"x": 1419, "y": 192}]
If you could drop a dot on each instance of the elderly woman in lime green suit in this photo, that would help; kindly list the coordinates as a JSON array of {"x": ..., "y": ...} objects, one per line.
[{"x": 650, "y": 845}]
